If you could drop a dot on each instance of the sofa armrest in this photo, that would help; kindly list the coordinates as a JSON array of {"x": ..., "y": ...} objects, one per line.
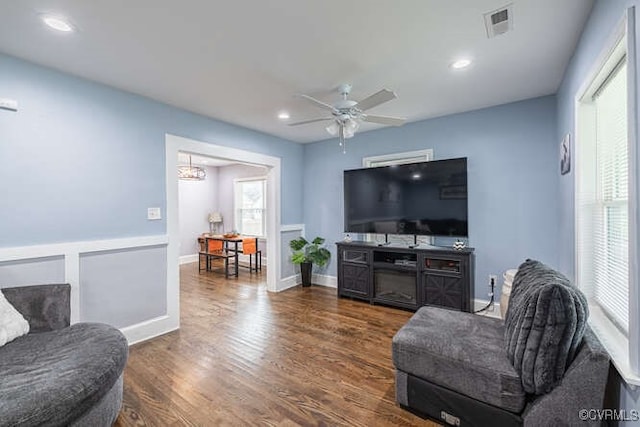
[
  {"x": 46, "y": 307},
  {"x": 583, "y": 387}
]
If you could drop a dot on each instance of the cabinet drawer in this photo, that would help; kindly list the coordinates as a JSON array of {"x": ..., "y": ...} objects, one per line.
[
  {"x": 355, "y": 256},
  {"x": 443, "y": 265}
]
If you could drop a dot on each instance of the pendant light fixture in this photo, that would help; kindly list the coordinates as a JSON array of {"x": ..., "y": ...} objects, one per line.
[{"x": 191, "y": 173}]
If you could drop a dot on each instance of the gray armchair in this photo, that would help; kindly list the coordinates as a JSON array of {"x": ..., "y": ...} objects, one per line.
[
  {"x": 59, "y": 375},
  {"x": 452, "y": 365},
  {"x": 540, "y": 367}
]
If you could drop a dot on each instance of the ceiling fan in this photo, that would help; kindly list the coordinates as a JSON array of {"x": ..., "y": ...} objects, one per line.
[{"x": 347, "y": 114}]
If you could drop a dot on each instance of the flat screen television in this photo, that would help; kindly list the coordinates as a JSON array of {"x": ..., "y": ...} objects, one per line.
[{"x": 427, "y": 198}]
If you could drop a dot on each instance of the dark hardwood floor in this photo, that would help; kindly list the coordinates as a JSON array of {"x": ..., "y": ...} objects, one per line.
[{"x": 244, "y": 356}]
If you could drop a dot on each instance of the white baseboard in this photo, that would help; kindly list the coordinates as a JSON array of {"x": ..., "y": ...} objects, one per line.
[
  {"x": 188, "y": 259},
  {"x": 288, "y": 282},
  {"x": 148, "y": 329},
  {"x": 316, "y": 279},
  {"x": 324, "y": 280},
  {"x": 493, "y": 311}
]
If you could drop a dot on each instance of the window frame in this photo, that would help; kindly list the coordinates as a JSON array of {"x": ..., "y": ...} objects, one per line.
[
  {"x": 425, "y": 155},
  {"x": 236, "y": 218},
  {"x": 624, "y": 350}
]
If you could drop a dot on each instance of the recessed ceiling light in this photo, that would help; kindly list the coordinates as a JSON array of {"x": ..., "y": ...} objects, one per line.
[
  {"x": 283, "y": 115},
  {"x": 57, "y": 23},
  {"x": 416, "y": 176},
  {"x": 461, "y": 63}
]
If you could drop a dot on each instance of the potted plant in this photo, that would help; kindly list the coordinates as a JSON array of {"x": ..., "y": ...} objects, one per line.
[{"x": 306, "y": 254}]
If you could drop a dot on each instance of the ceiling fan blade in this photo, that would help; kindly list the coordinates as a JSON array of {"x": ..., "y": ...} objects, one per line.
[
  {"x": 376, "y": 99},
  {"x": 384, "y": 120},
  {"x": 318, "y": 103},
  {"x": 304, "y": 122}
]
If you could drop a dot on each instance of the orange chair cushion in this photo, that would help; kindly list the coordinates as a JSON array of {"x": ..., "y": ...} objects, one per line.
[
  {"x": 249, "y": 246},
  {"x": 214, "y": 245}
]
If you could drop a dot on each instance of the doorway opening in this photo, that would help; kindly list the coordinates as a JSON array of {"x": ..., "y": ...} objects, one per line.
[
  {"x": 220, "y": 197},
  {"x": 271, "y": 166}
]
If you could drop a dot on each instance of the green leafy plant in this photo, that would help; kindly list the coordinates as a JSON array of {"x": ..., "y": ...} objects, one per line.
[{"x": 313, "y": 252}]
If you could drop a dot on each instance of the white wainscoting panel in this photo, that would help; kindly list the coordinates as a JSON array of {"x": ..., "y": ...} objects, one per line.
[
  {"x": 287, "y": 269},
  {"x": 70, "y": 253}
]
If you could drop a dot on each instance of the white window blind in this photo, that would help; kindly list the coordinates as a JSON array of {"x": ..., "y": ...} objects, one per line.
[
  {"x": 250, "y": 206},
  {"x": 603, "y": 230}
]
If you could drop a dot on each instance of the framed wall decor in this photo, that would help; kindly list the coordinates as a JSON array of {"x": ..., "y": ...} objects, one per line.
[{"x": 565, "y": 155}]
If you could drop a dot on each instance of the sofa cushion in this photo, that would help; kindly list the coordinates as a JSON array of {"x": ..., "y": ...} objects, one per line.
[
  {"x": 462, "y": 352},
  {"x": 46, "y": 307},
  {"x": 52, "y": 378},
  {"x": 544, "y": 325}
]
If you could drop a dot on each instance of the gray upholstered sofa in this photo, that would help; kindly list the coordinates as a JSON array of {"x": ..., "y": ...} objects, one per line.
[
  {"x": 466, "y": 370},
  {"x": 59, "y": 375}
]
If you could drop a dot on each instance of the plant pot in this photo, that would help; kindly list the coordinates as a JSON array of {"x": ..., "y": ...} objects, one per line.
[{"x": 305, "y": 271}]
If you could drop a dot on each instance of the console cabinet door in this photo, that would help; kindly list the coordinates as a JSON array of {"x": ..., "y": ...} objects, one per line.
[
  {"x": 355, "y": 280},
  {"x": 443, "y": 290}
]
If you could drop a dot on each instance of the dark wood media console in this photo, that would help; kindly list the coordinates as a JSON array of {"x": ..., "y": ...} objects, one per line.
[{"x": 406, "y": 278}]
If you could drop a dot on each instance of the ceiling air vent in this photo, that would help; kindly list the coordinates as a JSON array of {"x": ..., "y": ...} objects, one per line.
[{"x": 499, "y": 21}]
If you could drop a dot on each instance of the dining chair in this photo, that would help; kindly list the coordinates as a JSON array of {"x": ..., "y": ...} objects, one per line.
[{"x": 250, "y": 247}]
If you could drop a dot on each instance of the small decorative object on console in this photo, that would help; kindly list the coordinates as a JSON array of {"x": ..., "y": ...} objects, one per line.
[{"x": 459, "y": 245}]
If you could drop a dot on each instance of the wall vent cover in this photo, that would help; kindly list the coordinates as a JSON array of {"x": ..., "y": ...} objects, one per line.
[{"x": 499, "y": 21}]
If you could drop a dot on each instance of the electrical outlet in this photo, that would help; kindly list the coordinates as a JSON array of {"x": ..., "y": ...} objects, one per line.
[
  {"x": 493, "y": 281},
  {"x": 154, "y": 214}
]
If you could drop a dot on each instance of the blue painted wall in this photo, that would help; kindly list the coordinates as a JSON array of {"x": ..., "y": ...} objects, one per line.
[
  {"x": 83, "y": 161},
  {"x": 512, "y": 179},
  {"x": 604, "y": 18}
]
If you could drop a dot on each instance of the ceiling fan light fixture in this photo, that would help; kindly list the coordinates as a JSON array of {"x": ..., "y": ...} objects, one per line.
[
  {"x": 348, "y": 113},
  {"x": 351, "y": 126},
  {"x": 348, "y": 134},
  {"x": 333, "y": 129}
]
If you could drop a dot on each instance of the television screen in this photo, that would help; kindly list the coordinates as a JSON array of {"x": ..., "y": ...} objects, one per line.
[{"x": 428, "y": 198}]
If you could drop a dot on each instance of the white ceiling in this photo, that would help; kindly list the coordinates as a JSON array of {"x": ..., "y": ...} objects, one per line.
[{"x": 243, "y": 61}]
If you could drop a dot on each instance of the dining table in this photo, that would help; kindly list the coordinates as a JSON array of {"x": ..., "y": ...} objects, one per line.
[{"x": 230, "y": 245}]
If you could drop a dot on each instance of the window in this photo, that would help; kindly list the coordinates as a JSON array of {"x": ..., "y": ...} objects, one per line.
[
  {"x": 250, "y": 206},
  {"x": 603, "y": 233},
  {"x": 398, "y": 158},
  {"x": 604, "y": 179}
]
